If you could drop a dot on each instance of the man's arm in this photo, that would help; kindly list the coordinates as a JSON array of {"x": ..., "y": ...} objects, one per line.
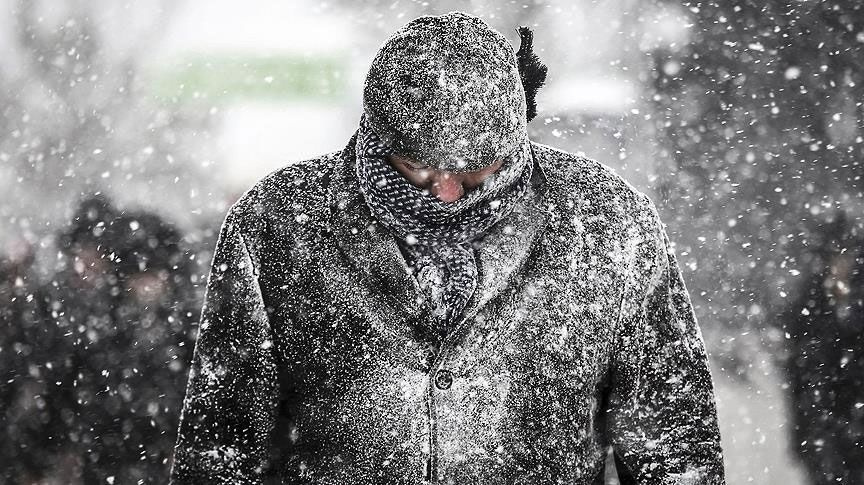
[
  {"x": 229, "y": 411},
  {"x": 662, "y": 418}
]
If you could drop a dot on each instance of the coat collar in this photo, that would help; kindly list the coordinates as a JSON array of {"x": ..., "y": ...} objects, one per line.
[{"x": 371, "y": 249}]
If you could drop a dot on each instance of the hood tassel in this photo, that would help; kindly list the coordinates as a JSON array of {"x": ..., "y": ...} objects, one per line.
[{"x": 531, "y": 70}]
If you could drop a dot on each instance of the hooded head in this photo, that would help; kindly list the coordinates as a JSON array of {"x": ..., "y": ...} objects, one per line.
[{"x": 448, "y": 92}]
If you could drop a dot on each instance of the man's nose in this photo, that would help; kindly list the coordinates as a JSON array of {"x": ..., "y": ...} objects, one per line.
[{"x": 447, "y": 187}]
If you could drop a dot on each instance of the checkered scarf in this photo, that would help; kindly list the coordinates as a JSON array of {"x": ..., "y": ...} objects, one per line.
[{"x": 437, "y": 238}]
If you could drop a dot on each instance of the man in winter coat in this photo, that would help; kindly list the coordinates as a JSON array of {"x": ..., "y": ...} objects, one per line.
[{"x": 446, "y": 301}]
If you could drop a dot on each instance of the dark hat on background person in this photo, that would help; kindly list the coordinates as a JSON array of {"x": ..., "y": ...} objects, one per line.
[
  {"x": 450, "y": 92},
  {"x": 146, "y": 242},
  {"x": 93, "y": 217}
]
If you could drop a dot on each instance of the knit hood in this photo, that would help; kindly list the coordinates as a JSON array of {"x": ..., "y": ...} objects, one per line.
[{"x": 448, "y": 92}]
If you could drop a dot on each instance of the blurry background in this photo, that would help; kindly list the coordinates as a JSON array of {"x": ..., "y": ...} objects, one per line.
[{"x": 127, "y": 129}]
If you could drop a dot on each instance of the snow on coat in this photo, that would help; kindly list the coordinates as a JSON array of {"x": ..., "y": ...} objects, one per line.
[
  {"x": 318, "y": 362},
  {"x": 315, "y": 362}
]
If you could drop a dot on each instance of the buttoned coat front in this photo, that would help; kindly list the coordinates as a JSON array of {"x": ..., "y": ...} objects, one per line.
[{"x": 316, "y": 363}]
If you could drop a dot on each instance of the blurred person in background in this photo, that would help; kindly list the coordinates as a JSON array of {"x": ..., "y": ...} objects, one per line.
[
  {"x": 825, "y": 364},
  {"x": 131, "y": 374},
  {"x": 26, "y": 449},
  {"x": 96, "y": 372},
  {"x": 446, "y": 301},
  {"x": 42, "y": 417}
]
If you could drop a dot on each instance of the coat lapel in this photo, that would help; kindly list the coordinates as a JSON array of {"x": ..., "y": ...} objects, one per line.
[
  {"x": 508, "y": 245},
  {"x": 367, "y": 244},
  {"x": 371, "y": 249}
]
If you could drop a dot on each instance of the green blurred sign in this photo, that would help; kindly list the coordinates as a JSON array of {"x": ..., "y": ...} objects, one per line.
[{"x": 230, "y": 77}]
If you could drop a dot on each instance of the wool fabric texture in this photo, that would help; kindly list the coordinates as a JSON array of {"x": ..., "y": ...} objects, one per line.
[{"x": 437, "y": 237}]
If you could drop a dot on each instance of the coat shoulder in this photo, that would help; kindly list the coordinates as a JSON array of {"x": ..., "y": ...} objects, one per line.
[
  {"x": 583, "y": 185},
  {"x": 293, "y": 195}
]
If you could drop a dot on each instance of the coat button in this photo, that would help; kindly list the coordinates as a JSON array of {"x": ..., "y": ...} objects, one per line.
[{"x": 443, "y": 379}]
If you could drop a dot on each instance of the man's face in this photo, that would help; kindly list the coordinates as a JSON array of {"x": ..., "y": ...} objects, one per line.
[{"x": 447, "y": 186}]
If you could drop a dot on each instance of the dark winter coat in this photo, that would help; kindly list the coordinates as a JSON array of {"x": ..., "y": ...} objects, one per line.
[{"x": 315, "y": 363}]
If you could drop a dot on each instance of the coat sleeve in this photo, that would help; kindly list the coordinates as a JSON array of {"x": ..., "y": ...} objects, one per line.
[
  {"x": 229, "y": 411},
  {"x": 662, "y": 417}
]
